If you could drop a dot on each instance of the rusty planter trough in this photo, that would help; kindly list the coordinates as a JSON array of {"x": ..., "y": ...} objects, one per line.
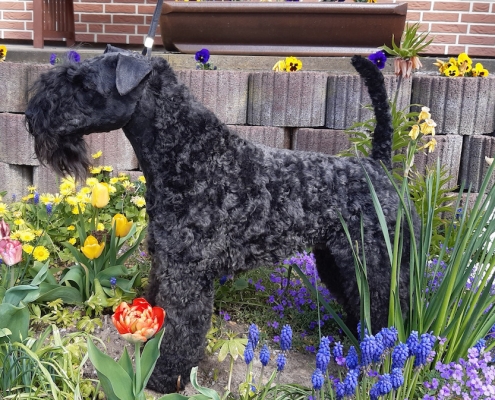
[{"x": 288, "y": 28}]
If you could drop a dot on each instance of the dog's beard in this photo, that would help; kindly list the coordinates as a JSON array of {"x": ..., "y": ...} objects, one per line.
[{"x": 66, "y": 155}]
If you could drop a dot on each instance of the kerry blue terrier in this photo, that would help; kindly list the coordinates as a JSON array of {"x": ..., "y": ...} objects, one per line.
[{"x": 218, "y": 204}]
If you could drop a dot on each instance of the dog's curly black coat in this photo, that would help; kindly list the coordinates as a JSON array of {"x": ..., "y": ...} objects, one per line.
[{"x": 218, "y": 204}]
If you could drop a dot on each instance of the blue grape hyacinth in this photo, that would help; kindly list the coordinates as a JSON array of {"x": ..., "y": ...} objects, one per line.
[
  {"x": 264, "y": 355},
  {"x": 317, "y": 379},
  {"x": 352, "y": 360},
  {"x": 400, "y": 355},
  {"x": 248, "y": 353},
  {"x": 323, "y": 355},
  {"x": 368, "y": 350},
  {"x": 281, "y": 360},
  {"x": 254, "y": 335},
  {"x": 286, "y": 338}
]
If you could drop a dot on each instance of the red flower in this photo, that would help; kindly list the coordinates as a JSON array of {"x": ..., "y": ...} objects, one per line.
[{"x": 138, "y": 322}]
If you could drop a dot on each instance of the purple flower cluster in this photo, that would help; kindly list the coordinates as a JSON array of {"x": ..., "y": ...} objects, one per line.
[
  {"x": 435, "y": 272},
  {"x": 473, "y": 378}
]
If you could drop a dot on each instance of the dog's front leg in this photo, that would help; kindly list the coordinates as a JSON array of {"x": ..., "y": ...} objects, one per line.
[{"x": 188, "y": 301}]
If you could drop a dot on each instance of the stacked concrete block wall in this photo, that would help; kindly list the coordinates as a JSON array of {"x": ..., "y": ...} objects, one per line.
[
  {"x": 458, "y": 25},
  {"x": 295, "y": 111}
]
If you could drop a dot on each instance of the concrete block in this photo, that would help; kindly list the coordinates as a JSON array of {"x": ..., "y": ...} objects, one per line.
[
  {"x": 294, "y": 99},
  {"x": 14, "y": 179},
  {"x": 448, "y": 150},
  {"x": 268, "y": 135},
  {"x": 16, "y": 144},
  {"x": 46, "y": 180},
  {"x": 461, "y": 106},
  {"x": 117, "y": 150},
  {"x": 347, "y": 97},
  {"x": 473, "y": 165},
  {"x": 223, "y": 92},
  {"x": 320, "y": 140},
  {"x": 14, "y": 86},
  {"x": 33, "y": 73}
]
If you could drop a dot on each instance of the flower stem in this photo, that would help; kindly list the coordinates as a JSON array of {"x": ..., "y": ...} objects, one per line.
[{"x": 138, "y": 392}]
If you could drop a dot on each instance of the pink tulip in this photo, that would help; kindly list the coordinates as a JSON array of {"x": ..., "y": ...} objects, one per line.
[
  {"x": 10, "y": 251},
  {"x": 4, "y": 230}
]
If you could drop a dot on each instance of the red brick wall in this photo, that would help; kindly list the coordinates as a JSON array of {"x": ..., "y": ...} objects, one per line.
[{"x": 458, "y": 25}]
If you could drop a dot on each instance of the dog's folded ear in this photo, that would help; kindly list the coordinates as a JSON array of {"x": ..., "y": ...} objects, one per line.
[{"x": 130, "y": 72}]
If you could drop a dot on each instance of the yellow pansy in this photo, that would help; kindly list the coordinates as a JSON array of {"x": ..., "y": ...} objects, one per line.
[
  {"x": 451, "y": 71},
  {"x": 479, "y": 70},
  {"x": 464, "y": 58},
  {"x": 100, "y": 196},
  {"x": 92, "y": 249},
  {"x": 292, "y": 64},
  {"x": 96, "y": 155},
  {"x": 142, "y": 179},
  {"x": 122, "y": 226},
  {"x": 414, "y": 133},
  {"x": 442, "y": 66},
  {"x": 41, "y": 253},
  {"x": 3, "y": 52}
]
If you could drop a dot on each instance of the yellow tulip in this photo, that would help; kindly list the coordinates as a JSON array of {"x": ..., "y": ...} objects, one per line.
[
  {"x": 100, "y": 196},
  {"x": 92, "y": 249},
  {"x": 122, "y": 226}
]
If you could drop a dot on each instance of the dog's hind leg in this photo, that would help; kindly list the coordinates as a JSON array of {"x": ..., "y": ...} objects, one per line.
[{"x": 187, "y": 298}]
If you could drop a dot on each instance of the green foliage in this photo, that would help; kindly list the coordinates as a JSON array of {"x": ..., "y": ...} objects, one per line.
[
  {"x": 411, "y": 44},
  {"x": 50, "y": 366}
]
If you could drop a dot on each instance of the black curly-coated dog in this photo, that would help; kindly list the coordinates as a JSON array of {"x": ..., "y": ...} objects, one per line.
[{"x": 218, "y": 204}]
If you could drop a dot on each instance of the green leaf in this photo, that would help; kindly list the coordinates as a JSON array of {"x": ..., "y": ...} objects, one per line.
[
  {"x": 68, "y": 294},
  {"x": 114, "y": 379},
  {"x": 240, "y": 284},
  {"x": 16, "y": 319},
  {"x": 24, "y": 293},
  {"x": 209, "y": 393},
  {"x": 126, "y": 363},
  {"x": 224, "y": 352},
  {"x": 149, "y": 356},
  {"x": 114, "y": 271}
]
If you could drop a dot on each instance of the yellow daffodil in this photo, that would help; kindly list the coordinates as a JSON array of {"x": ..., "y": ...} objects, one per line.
[
  {"x": 414, "y": 133},
  {"x": 72, "y": 241},
  {"x": 41, "y": 253},
  {"x": 430, "y": 145},
  {"x": 92, "y": 249},
  {"x": 138, "y": 201},
  {"x": 100, "y": 196},
  {"x": 292, "y": 64},
  {"x": 28, "y": 248},
  {"x": 428, "y": 127},
  {"x": 96, "y": 155},
  {"x": 3, "y": 52},
  {"x": 142, "y": 179},
  {"x": 122, "y": 226},
  {"x": 424, "y": 114}
]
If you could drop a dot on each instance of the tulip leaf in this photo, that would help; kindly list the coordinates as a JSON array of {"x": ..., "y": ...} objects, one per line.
[
  {"x": 68, "y": 294},
  {"x": 149, "y": 356},
  {"x": 177, "y": 396},
  {"x": 122, "y": 259},
  {"x": 126, "y": 363},
  {"x": 16, "y": 319},
  {"x": 210, "y": 393},
  {"x": 49, "y": 278},
  {"x": 114, "y": 379},
  {"x": 41, "y": 275},
  {"x": 25, "y": 293},
  {"x": 116, "y": 271}
]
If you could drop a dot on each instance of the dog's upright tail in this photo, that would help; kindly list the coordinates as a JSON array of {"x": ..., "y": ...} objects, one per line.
[{"x": 381, "y": 148}]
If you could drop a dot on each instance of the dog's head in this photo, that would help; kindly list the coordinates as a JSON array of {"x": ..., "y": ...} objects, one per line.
[{"x": 76, "y": 99}]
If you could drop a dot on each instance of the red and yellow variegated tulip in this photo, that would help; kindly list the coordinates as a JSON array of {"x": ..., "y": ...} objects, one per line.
[{"x": 138, "y": 322}]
